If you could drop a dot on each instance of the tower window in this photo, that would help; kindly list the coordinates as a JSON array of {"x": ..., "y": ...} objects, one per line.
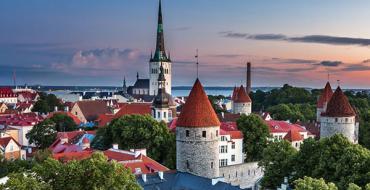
[
  {"x": 164, "y": 114},
  {"x": 233, "y": 158},
  {"x": 216, "y": 133},
  {"x": 187, "y": 133},
  {"x": 211, "y": 164},
  {"x": 187, "y": 164},
  {"x": 204, "y": 134}
]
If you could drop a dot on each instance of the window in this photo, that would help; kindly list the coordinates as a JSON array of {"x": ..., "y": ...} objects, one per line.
[
  {"x": 346, "y": 120},
  {"x": 204, "y": 134},
  {"x": 211, "y": 164},
  {"x": 216, "y": 133},
  {"x": 233, "y": 158},
  {"x": 336, "y": 119},
  {"x": 233, "y": 145},
  {"x": 223, "y": 162},
  {"x": 159, "y": 114},
  {"x": 223, "y": 138},
  {"x": 187, "y": 133},
  {"x": 223, "y": 149},
  {"x": 187, "y": 164},
  {"x": 164, "y": 114}
]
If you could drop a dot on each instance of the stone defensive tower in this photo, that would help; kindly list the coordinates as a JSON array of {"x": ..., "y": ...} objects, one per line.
[
  {"x": 242, "y": 103},
  {"x": 197, "y": 134},
  {"x": 323, "y": 101},
  {"x": 339, "y": 118}
]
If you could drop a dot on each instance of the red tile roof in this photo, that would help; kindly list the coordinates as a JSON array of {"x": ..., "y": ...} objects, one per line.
[
  {"x": 339, "y": 106},
  {"x": 92, "y": 109},
  {"x": 69, "y": 156},
  {"x": 198, "y": 111},
  {"x": 325, "y": 96},
  {"x": 129, "y": 160},
  {"x": 242, "y": 96},
  {"x": 235, "y": 92},
  {"x": 6, "y": 92},
  {"x": 282, "y": 126},
  {"x": 28, "y": 96},
  {"x": 133, "y": 108},
  {"x": 230, "y": 128},
  {"x": 4, "y": 141},
  {"x": 24, "y": 119},
  {"x": 293, "y": 135}
]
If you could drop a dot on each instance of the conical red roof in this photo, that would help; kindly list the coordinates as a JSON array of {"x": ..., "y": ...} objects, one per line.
[
  {"x": 293, "y": 135},
  {"x": 325, "y": 96},
  {"x": 198, "y": 111},
  {"x": 242, "y": 96},
  {"x": 85, "y": 140},
  {"x": 235, "y": 92},
  {"x": 339, "y": 105}
]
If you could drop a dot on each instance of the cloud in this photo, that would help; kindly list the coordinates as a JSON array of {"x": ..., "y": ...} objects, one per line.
[
  {"x": 181, "y": 28},
  {"x": 321, "y": 39},
  {"x": 294, "y": 61},
  {"x": 366, "y": 61},
  {"x": 330, "y": 63},
  {"x": 226, "y": 55},
  {"x": 357, "y": 67}
]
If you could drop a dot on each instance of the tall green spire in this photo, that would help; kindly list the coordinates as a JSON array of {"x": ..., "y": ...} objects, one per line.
[{"x": 160, "y": 52}]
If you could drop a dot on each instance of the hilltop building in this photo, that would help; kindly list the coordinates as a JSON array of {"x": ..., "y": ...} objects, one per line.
[
  {"x": 339, "y": 118},
  {"x": 242, "y": 103},
  {"x": 149, "y": 87}
]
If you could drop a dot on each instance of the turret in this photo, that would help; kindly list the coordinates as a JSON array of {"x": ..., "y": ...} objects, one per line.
[
  {"x": 160, "y": 107},
  {"x": 323, "y": 100},
  {"x": 339, "y": 118},
  {"x": 242, "y": 103},
  {"x": 197, "y": 133}
]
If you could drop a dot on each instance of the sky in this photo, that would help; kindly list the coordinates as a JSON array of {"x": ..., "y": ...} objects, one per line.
[{"x": 94, "y": 42}]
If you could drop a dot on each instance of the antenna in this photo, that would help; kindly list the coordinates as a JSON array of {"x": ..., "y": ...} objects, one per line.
[
  {"x": 197, "y": 56},
  {"x": 328, "y": 76},
  {"x": 338, "y": 81},
  {"x": 14, "y": 79}
]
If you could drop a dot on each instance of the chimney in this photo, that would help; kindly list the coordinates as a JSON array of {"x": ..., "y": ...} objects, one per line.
[
  {"x": 160, "y": 174},
  {"x": 249, "y": 82},
  {"x": 115, "y": 146}
]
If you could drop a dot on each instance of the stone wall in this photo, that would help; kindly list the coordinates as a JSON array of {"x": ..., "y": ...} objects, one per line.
[
  {"x": 242, "y": 108},
  {"x": 342, "y": 125},
  {"x": 197, "y": 154},
  {"x": 244, "y": 175}
]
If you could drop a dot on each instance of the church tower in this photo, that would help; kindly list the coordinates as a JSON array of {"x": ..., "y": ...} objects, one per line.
[
  {"x": 160, "y": 57},
  {"x": 197, "y": 133},
  {"x": 160, "y": 107},
  {"x": 339, "y": 118}
]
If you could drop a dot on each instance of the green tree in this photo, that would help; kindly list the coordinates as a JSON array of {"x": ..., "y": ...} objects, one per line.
[
  {"x": 353, "y": 186},
  {"x": 92, "y": 173},
  {"x": 308, "y": 183},
  {"x": 277, "y": 163},
  {"x": 43, "y": 134},
  {"x": 138, "y": 131},
  {"x": 47, "y": 103},
  {"x": 256, "y": 134},
  {"x": 63, "y": 122}
]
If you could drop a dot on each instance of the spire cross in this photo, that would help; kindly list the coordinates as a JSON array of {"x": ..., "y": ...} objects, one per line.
[{"x": 196, "y": 56}]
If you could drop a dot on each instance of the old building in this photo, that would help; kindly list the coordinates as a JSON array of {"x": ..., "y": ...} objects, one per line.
[
  {"x": 323, "y": 101},
  {"x": 10, "y": 149},
  {"x": 88, "y": 110},
  {"x": 197, "y": 134},
  {"x": 7, "y": 96},
  {"x": 339, "y": 118},
  {"x": 242, "y": 103}
]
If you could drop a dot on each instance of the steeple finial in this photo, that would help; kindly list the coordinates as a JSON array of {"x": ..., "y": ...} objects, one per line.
[
  {"x": 137, "y": 75},
  {"x": 197, "y": 56}
]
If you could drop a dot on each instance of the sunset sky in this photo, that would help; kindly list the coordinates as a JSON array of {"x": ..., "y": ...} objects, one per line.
[{"x": 94, "y": 42}]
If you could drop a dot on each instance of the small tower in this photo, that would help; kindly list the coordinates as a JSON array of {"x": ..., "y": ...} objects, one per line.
[
  {"x": 159, "y": 58},
  {"x": 85, "y": 143},
  {"x": 242, "y": 103},
  {"x": 323, "y": 100},
  {"x": 160, "y": 107},
  {"x": 339, "y": 118},
  {"x": 197, "y": 134}
]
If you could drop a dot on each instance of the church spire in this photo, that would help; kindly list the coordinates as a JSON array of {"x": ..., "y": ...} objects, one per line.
[
  {"x": 161, "y": 100},
  {"x": 160, "y": 52}
]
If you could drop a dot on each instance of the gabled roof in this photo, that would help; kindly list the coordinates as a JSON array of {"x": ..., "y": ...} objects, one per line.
[
  {"x": 230, "y": 128},
  {"x": 92, "y": 109},
  {"x": 325, "y": 96},
  {"x": 133, "y": 108},
  {"x": 142, "y": 83},
  {"x": 198, "y": 111},
  {"x": 293, "y": 135},
  {"x": 242, "y": 96},
  {"x": 339, "y": 105},
  {"x": 4, "y": 141},
  {"x": 135, "y": 161}
]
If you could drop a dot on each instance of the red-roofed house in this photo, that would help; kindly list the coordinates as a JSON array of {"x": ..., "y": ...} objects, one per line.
[
  {"x": 89, "y": 110},
  {"x": 24, "y": 107},
  {"x": 69, "y": 114},
  {"x": 7, "y": 96},
  {"x": 22, "y": 122},
  {"x": 295, "y": 138},
  {"x": 135, "y": 160},
  {"x": 73, "y": 141},
  {"x": 231, "y": 144},
  {"x": 27, "y": 96},
  {"x": 10, "y": 149},
  {"x": 279, "y": 129}
]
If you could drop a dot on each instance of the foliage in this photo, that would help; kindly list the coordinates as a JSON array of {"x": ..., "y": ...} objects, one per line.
[
  {"x": 45, "y": 133},
  {"x": 8, "y": 166},
  {"x": 47, "y": 103},
  {"x": 308, "y": 183},
  {"x": 136, "y": 132},
  {"x": 277, "y": 163},
  {"x": 334, "y": 159},
  {"x": 92, "y": 173},
  {"x": 353, "y": 186},
  {"x": 256, "y": 134},
  {"x": 42, "y": 134}
]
